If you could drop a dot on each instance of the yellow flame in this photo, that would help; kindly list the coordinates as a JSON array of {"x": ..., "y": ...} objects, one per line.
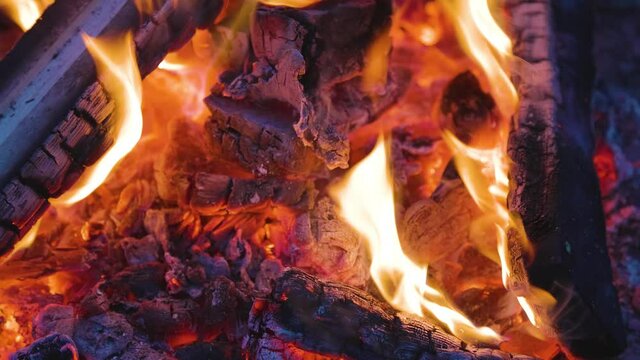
[
  {"x": 24, "y": 243},
  {"x": 485, "y": 171},
  {"x": 24, "y": 13},
  {"x": 480, "y": 36},
  {"x": 118, "y": 73},
  {"x": 374, "y": 73},
  {"x": 290, "y": 3},
  {"x": 365, "y": 198}
]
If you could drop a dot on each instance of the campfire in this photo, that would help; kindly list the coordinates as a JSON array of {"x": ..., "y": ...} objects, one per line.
[{"x": 301, "y": 179}]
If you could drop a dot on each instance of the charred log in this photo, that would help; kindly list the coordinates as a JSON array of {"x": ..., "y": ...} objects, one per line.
[
  {"x": 340, "y": 320},
  {"x": 308, "y": 62},
  {"x": 42, "y": 155},
  {"x": 554, "y": 185}
]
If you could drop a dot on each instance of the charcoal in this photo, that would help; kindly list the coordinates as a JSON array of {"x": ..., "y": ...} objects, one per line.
[
  {"x": 144, "y": 281},
  {"x": 161, "y": 317},
  {"x": 321, "y": 242},
  {"x": 52, "y": 347},
  {"x": 103, "y": 336},
  {"x": 140, "y": 251},
  {"x": 94, "y": 303},
  {"x": 205, "y": 351},
  {"x": 140, "y": 349},
  {"x": 213, "y": 266},
  {"x": 221, "y": 299},
  {"x": 54, "y": 319},
  {"x": 468, "y": 109},
  {"x": 270, "y": 270}
]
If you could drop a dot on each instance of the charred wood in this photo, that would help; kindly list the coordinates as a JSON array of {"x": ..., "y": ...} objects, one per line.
[
  {"x": 339, "y": 320},
  {"x": 56, "y": 346},
  {"x": 42, "y": 155},
  {"x": 307, "y": 70},
  {"x": 554, "y": 185}
]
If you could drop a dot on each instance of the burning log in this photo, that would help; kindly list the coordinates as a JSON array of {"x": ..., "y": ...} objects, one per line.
[
  {"x": 340, "y": 320},
  {"x": 291, "y": 113},
  {"x": 42, "y": 155},
  {"x": 554, "y": 185}
]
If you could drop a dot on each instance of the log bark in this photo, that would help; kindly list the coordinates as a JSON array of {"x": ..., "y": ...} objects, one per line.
[
  {"x": 50, "y": 76},
  {"x": 554, "y": 185},
  {"x": 340, "y": 320}
]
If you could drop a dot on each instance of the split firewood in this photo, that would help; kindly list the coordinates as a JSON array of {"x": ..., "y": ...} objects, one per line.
[
  {"x": 306, "y": 79},
  {"x": 56, "y": 116},
  {"x": 339, "y": 320},
  {"x": 554, "y": 186}
]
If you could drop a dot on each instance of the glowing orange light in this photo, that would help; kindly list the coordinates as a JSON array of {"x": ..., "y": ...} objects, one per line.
[
  {"x": 365, "y": 198},
  {"x": 290, "y": 3},
  {"x": 485, "y": 171},
  {"x": 118, "y": 73},
  {"x": 374, "y": 73},
  {"x": 24, "y": 13}
]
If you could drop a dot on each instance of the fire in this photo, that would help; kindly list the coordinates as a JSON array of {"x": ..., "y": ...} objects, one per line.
[
  {"x": 118, "y": 73},
  {"x": 187, "y": 75},
  {"x": 24, "y": 13},
  {"x": 290, "y": 3},
  {"x": 485, "y": 171},
  {"x": 365, "y": 198}
]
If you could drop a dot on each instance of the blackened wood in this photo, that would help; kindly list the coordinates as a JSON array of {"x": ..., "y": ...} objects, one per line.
[
  {"x": 554, "y": 185},
  {"x": 337, "y": 319},
  {"x": 56, "y": 346},
  {"x": 309, "y": 62},
  {"x": 213, "y": 194},
  {"x": 260, "y": 139},
  {"x": 55, "y": 118}
]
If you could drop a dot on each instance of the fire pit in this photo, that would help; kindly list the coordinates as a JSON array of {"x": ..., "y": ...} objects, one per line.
[{"x": 310, "y": 179}]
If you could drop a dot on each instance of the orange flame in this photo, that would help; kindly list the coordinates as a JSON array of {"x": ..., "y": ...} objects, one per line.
[
  {"x": 485, "y": 171},
  {"x": 24, "y": 13},
  {"x": 365, "y": 198},
  {"x": 290, "y": 3},
  {"x": 118, "y": 73}
]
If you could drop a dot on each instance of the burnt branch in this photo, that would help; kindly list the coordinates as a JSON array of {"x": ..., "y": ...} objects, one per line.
[
  {"x": 554, "y": 185},
  {"x": 340, "y": 320},
  {"x": 55, "y": 116}
]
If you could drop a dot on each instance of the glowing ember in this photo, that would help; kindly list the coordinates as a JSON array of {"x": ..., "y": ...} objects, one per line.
[
  {"x": 118, "y": 72},
  {"x": 24, "y": 13},
  {"x": 366, "y": 202},
  {"x": 485, "y": 171},
  {"x": 290, "y": 3}
]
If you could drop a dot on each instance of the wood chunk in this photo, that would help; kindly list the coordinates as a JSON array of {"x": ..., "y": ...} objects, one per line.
[
  {"x": 436, "y": 227},
  {"x": 261, "y": 140},
  {"x": 162, "y": 317},
  {"x": 54, "y": 319},
  {"x": 469, "y": 111},
  {"x": 554, "y": 186},
  {"x": 56, "y": 346},
  {"x": 310, "y": 61},
  {"x": 140, "y": 251},
  {"x": 103, "y": 336},
  {"x": 214, "y": 194},
  {"x": 321, "y": 242},
  {"x": 340, "y": 320}
]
